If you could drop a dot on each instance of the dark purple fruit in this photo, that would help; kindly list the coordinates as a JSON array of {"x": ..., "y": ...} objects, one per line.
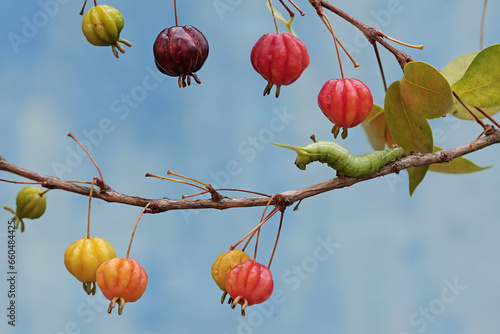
[{"x": 180, "y": 52}]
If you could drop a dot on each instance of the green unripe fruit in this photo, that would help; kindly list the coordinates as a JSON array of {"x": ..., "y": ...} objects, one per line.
[
  {"x": 102, "y": 25},
  {"x": 30, "y": 203}
]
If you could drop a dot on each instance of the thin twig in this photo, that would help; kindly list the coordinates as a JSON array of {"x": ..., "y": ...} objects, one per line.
[
  {"x": 290, "y": 12},
  {"x": 478, "y": 120},
  {"x": 102, "y": 184},
  {"x": 379, "y": 61},
  {"x": 488, "y": 116},
  {"x": 297, "y": 8}
]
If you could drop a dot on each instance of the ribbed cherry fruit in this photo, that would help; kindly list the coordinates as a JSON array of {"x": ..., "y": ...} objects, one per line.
[
  {"x": 180, "y": 52},
  {"x": 121, "y": 280},
  {"x": 102, "y": 25},
  {"x": 84, "y": 256},
  {"x": 30, "y": 203},
  {"x": 280, "y": 59},
  {"x": 249, "y": 283},
  {"x": 346, "y": 103}
]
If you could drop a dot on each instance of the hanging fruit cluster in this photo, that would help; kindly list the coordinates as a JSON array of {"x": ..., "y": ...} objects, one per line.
[
  {"x": 280, "y": 58},
  {"x": 93, "y": 260},
  {"x": 90, "y": 260},
  {"x": 246, "y": 281}
]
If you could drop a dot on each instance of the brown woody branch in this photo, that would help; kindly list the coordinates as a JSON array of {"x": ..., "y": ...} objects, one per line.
[
  {"x": 290, "y": 196},
  {"x": 372, "y": 34}
]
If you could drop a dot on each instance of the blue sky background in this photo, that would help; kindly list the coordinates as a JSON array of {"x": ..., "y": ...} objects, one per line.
[{"x": 395, "y": 264}]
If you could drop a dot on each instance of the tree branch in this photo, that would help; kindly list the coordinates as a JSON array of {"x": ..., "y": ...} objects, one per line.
[{"x": 290, "y": 196}]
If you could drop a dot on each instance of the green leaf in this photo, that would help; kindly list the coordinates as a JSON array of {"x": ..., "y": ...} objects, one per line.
[
  {"x": 453, "y": 72},
  {"x": 416, "y": 176},
  {"x": 377, "y": 130},
  {"x": 458, "y": 165},
  {"x": 457, "y": 67},
  {"x": 480, "y": 84},
  {"x": 425, "y": 91},
  {"x": 411, "y": 132}
]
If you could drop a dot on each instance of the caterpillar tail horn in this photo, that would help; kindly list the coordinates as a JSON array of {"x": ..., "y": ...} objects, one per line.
[
  {"x": 302, "y": 155},
  {"x": 291, "y": 147}
]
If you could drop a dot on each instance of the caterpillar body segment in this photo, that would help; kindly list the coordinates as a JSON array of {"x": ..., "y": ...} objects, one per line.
[{"x": 340, "y": 159}]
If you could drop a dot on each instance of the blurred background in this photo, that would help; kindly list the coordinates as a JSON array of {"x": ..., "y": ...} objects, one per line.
[{"x": 365, "y": 259}]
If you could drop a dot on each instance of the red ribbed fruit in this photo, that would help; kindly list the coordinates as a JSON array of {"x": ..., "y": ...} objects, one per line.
[
  {"x": 121, "y": 281},
  {"x": 280, "y": 59},
  {"x": 249, "y": 283},
  {"x": 346, "y": 103}
]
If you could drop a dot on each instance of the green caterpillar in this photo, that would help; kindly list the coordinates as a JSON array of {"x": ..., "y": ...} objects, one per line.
[{"x": 342, "y": 160}]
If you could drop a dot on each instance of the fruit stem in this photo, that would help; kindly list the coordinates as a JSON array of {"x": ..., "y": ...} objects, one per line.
[
  {"x": 403, "y": 43},
  {"x": 478, "y": 120},
  {"x": 481, "y": 34},
  {"x": 257, "y": 228},
  {"x": 256, "y": 245},
  {"x": 84, "y": 4},
  {"x": 274, "y": 16},
  {"x": 290, "y": 12},
  {"x": 244, "y": 191},
  {"x": 175, "y": 180},
  {"x": 20, "y": 182},
  {"x": 224, "y": 189},
  {"x": 488, "y": 116},
  {"x": 379, "y": 61},
  {"x": 169, "y": 172},
  {"x": 485, "y": 131},
  {"x": 297, "y": 8},
  {"x": 194, "y": 195},
  {"x": 103, "y": 184},
  {"x": 135, "y": 227},
  {"x": 277, "y": 238},
  {"x": 83, "y": 8},
  {"x": 90, "y": 202},
  {"x": 254, "y": 230},
  {"x": 354, "y": 63},
  {"x": 328, "y": 25},
  {"x": 175, "y": 11}
]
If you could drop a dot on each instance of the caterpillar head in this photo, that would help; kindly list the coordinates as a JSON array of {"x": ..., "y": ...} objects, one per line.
[{"x": 303, "y": 157}]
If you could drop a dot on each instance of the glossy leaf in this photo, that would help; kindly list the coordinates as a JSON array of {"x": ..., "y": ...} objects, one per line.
[
  {"x": 453, "y": 72},
  {"x": 416, "y": 175},
  {"x": 411, "y": 132},
  {"x": 377, "y": 130},
  {"x": 458, "y": 165},
  {"x": 480, "y": 84},
  {"x": 425, "y": 91}
]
